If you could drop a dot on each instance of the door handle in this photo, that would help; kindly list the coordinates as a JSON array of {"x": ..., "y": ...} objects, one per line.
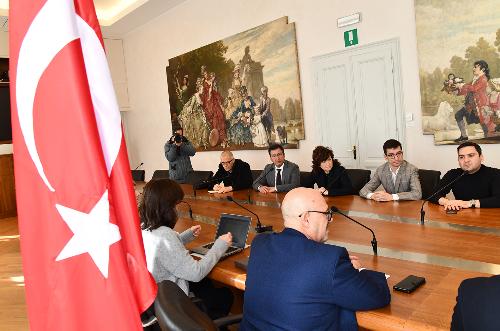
[{"x": 353, "y": 150}]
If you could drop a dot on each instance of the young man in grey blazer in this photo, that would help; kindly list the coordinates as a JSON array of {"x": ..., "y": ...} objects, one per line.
[
  {"x": 279, "y": 176},
  {"x": 398, "y": 177}
]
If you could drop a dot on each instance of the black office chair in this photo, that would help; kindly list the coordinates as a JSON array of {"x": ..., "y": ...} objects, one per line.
[
  {"x": 138, "y": 175},
  {"x": 198, "y": 177},
  {"x": 160, "y": 174},
  {"x": 175, "y": 311},
  {"x": 255, "y": 174},
  {"x": 305, "y": 180},
  {"x": 359, "y": 177},
  {"x": 429, "y": 180}
]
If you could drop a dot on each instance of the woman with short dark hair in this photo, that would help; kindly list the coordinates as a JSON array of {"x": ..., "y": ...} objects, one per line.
[
  {"x": 328, "y": 174},
  {"x": 166, "y": 256}
]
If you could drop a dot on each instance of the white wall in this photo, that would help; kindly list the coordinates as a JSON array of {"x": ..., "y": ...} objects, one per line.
[{"x": 196, "y": 23}]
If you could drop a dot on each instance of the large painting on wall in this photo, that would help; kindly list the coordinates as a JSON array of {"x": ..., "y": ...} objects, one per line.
[
  {"x": 242, "y": 92},
  {"x": 459, "y": 61}
]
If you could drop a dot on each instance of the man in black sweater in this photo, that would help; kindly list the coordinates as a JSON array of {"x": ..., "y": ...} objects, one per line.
[
  {"x": 233, "y": 174},
  {"x": 478, "y": 188}
]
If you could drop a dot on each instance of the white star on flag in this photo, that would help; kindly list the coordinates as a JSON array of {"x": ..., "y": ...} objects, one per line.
[{"x": 92, "y": 233}]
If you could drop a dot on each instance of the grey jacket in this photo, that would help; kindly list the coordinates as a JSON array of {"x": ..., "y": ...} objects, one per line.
[
  {"x": 179, "y": 164},
  {"x": 290, "y": 177},
  {"x": 168, "y": 259},
  {"x": 407, "y": 184}
]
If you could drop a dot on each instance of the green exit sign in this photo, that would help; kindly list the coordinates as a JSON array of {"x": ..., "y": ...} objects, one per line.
[{"x": 351, "y": 37}]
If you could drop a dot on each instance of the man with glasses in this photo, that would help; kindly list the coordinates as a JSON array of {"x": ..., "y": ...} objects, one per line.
[
  {"x": 478, "y": 188},
  {"x": 279, "y": 176},
  {"x": 297, "y": 282},
  {"x": 399, "y": 178},
  {"x": 233, "y": 174}
]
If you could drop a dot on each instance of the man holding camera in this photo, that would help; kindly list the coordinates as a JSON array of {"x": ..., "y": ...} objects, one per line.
[{"x": 178, "y": 151}]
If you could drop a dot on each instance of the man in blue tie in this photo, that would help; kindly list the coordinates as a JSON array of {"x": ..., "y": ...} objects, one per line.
[
  {"x": 279, "y": 176},
  {"x": 297, "y": 282}
]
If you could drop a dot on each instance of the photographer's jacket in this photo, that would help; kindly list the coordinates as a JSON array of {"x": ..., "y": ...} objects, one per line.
[{"x": 179, "y": 159}]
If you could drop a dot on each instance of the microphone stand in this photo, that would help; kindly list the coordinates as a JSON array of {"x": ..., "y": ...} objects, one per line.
[
  {"x": 264, "y": 175},
  {"x": 259, "y": 228},
  {"x": 422, "y": 211},
  {"x": 374, "y": 239},
  {"x": 207, "y": 182}
]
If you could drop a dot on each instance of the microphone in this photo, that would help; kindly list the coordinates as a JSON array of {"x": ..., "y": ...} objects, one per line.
[
  {"x": 140, "y": 165},
  {"x": 211, "y": 180},
  {"x": 374, "y": 240},
  {"x": 190, "y": 210},
  {"x": 202, "y": 184},
  {"x": 259, "y": 228},
  {"x": 264, "y": 175},
  {"x": 422, "y": 211}
]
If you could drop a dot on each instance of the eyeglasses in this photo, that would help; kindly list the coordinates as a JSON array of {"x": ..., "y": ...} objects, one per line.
[
  {"x": 226, "y": 162},
  {"x": 277, "y": 155},
  {"x": 328, "y": 213},
  {"x": 393, "y": 156}
]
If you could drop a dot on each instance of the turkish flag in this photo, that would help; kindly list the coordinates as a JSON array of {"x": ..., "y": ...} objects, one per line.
[{"x": 82, "y": 250}]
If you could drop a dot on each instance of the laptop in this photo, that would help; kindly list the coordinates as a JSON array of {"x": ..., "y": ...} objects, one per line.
[{"x": 238, "y": 225}]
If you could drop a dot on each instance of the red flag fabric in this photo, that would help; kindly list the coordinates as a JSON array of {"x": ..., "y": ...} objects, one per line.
[{"x": 82, "y": 250}]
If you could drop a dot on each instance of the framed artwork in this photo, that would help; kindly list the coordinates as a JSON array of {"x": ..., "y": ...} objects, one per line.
[
  {"x": 459, "y": 68},
  {"x": 241, "y": 92}
]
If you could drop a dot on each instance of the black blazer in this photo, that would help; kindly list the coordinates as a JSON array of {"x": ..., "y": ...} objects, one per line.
[
  {"x": 337, "y": 182},
  {"x": 478, "y": 305},
  {"x": 239, "y": 178}
]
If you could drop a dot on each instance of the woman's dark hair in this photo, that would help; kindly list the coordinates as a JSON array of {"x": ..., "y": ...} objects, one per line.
[
  {"x": 321, "y": 154},
  {"x": 484, "y": 67},
  {"x": 157, "y": 206}
]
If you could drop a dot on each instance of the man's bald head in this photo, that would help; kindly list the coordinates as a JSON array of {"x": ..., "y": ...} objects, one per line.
[
  {"x": 226, "y": 154},
  {"x": 227, "y": 160},
  {"x": 299, "y": 201}
]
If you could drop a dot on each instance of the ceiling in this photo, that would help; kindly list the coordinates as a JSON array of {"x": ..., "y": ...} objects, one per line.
[{"x": 117, "y": 17}]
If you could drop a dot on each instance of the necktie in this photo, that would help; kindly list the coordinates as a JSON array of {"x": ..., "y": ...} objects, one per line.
[{"x": 278, "y": 177}]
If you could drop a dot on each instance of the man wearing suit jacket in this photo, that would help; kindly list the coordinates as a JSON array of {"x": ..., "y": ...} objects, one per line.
[
  {"x": 297, "y": 282},
  {"x": 279, "y": 176},
  {"x": 398, "y": 177},
  {"x": 233, "y": 174},
  {"x": 478, "y": 305}
]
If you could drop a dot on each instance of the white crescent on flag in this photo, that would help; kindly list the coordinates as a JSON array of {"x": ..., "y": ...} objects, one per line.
[{"x": 36, "y": 53}]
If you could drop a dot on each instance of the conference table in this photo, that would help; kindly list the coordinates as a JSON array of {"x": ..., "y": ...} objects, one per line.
[{"x": 445, "y": 250}]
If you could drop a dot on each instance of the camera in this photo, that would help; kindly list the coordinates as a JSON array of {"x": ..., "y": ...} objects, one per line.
[{"x": 178, "y": 138}]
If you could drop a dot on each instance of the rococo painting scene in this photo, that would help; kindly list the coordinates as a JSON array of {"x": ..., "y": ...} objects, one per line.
[
  {"x": 459, "y": 60},
  {"x": 242, "y": 92}
]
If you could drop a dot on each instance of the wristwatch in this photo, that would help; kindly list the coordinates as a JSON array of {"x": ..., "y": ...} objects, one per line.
[{"x": 472, "y": 203}]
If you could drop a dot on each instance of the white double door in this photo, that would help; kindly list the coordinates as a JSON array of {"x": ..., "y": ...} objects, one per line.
[{"x": 357, "y": 97}]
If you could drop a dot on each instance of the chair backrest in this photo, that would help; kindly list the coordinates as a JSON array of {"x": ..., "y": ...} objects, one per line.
[
  {"x": 197, "y": 176},
  {"x": 359, "y": 177},
  {"x": 138, "y": 175},
  {"x": 429, "y": 180},
  {"x": 255, "y": 174},
  {"x": 160, "y": 174},
  {"x": 304, "y": 178},
  {"x": 175, "y": 310}
]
